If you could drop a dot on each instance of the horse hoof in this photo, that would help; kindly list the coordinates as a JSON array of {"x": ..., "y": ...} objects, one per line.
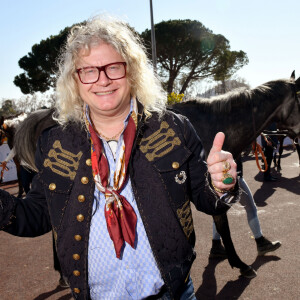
[{"x": 249, "y": 272}]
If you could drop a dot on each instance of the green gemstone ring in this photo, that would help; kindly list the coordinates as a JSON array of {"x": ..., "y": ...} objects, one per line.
[{"x": 227, "y": 179}]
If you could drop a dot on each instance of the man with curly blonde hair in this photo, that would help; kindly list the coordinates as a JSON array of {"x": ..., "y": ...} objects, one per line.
[{"x": 117, "y": 173}]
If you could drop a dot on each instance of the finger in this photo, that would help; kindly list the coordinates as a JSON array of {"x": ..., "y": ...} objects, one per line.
[
  {"x": 217, "y": 179},
  {"x": 223, "y": 165},
  {"x": 226, "y": 166},
  {"x": 218, "y": 143},
  {"x": 217, "y": 170},
  {"x": 219, "y": 157}
]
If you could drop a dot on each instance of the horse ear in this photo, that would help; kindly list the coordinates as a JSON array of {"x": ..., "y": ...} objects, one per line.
[{"x": 293, "y": 76}]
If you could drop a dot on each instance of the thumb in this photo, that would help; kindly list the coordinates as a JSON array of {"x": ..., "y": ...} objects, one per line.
[{"x": 218, "y": 142}]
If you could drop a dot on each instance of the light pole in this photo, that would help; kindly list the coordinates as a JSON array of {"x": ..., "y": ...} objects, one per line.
[{"x": 153, "y": 42}]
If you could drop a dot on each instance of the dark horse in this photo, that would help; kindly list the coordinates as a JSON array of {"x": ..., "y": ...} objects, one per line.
[
  {"x": 241, "y": 115},
  {"x": 7, "y": 131}
]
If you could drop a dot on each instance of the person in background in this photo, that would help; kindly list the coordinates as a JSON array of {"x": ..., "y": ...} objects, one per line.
[
  {"x": 117, "y": 174},
  {"x": 25, "y": 173},
  {"x": 269, "y": 144},
  {"x": 247, "y": 201}
]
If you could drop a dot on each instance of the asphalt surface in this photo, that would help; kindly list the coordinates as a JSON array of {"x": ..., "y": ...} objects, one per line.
[{"x": 26, "y": 264}]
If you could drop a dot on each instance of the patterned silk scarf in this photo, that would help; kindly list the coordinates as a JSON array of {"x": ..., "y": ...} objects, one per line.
[{"x": 120, "y": 217}]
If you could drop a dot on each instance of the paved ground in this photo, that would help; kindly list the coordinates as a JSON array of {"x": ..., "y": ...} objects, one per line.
[{"x": 26, "y": 265}]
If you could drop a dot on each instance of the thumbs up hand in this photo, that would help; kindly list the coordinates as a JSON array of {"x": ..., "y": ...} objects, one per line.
[{"x": 221, "y": 166}]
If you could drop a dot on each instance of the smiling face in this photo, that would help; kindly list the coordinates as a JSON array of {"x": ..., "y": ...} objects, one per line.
[{"x": 105, "y": 97}]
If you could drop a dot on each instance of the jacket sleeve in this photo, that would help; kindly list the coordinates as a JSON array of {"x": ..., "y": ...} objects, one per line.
[
  {"x": 27, "y": 217},
  {"x": 202, "y": 194}
]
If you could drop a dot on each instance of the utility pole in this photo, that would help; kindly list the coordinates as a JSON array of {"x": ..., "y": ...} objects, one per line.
[{"x": 153, "y": 42}]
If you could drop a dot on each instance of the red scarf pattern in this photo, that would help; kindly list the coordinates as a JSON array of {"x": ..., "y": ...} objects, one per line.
[{"x": 120, "y": 216}]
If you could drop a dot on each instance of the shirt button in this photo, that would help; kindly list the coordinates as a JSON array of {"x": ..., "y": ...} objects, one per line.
[
  {"x": 76, "y": 256},
  {"x": 76, "y": 273},
  {"x": 175, "y": 165},
  {"x": 80, "y": 218},
  {"x": 84, "y": 180},
  {"x": 88, "y": 162},
  {"x": 52, "y": 186},
  {"x": 77, "y": 237},
  {"x": 81, "y": 198},
  {"x": 77, "y": 290}
]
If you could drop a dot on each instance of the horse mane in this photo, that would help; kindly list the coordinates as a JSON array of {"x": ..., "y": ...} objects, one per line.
[
  {"x": 27, "y": 135},
  {"x": 225, "y": 102}
]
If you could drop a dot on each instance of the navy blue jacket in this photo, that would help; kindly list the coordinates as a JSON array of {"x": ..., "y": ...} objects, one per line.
[{"x": 167, "y": 173}]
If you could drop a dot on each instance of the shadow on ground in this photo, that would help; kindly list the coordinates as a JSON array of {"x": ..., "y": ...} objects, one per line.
[
  {"x": 267, "y": 189},
  {"x": 232, "y": 289},
  {"x": 58, "y": 289}
]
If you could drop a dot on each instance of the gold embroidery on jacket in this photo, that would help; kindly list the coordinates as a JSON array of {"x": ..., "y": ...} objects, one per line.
[
  {"x": 62, "y": 162},
  {"x": 159, "y": 143},
  {"x": 185, "y": 216}
]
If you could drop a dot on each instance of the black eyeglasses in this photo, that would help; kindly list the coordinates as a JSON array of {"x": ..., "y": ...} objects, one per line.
[{"x": 113, "y": 71}]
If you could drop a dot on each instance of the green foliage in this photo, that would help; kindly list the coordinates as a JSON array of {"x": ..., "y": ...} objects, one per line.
[
  {"x": 188, "y": 51},
  {"x": 228, "y": 63},
  {"x": 40, "y": 65},
  {"x": 8, "y": 108},
  {"x": 175, "y": 98}
]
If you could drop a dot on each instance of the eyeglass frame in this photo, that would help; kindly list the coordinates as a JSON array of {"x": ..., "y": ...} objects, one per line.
[{"x": 102, "y": 68}]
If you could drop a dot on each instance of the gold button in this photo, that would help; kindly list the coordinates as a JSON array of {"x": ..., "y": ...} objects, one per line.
[
  {"x": 89, "y": 162},
  {"x": 81, "y": 198},
  {"x": 175, "y": 165},
  {"x": 76, "y": 273},
  {"x": 77, "y": 290},
  {"x": 77, "y": 237},
  {"x": 52, "y": 186},
  {"x": 84, "y": 180},
  {"x": 76, "y": 256},
  {"x": 80, "y": 218}
]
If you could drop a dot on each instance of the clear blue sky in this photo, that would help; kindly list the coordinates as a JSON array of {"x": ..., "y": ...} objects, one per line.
[{"x": 267, "y": 30}]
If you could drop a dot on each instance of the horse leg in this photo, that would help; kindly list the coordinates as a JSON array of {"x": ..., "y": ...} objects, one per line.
[
  {"x": 280, "y": 151},
  {"x": 17, "y": 163},
  {"x": 297, "y": 148},
  {"x": 222, "y": 226}
]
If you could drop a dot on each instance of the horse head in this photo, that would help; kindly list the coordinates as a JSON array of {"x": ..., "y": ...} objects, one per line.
[{"x": 289, "y": 118}]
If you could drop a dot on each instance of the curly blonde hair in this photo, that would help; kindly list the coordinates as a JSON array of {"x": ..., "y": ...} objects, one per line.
[{"x": 144, "y": 83}]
